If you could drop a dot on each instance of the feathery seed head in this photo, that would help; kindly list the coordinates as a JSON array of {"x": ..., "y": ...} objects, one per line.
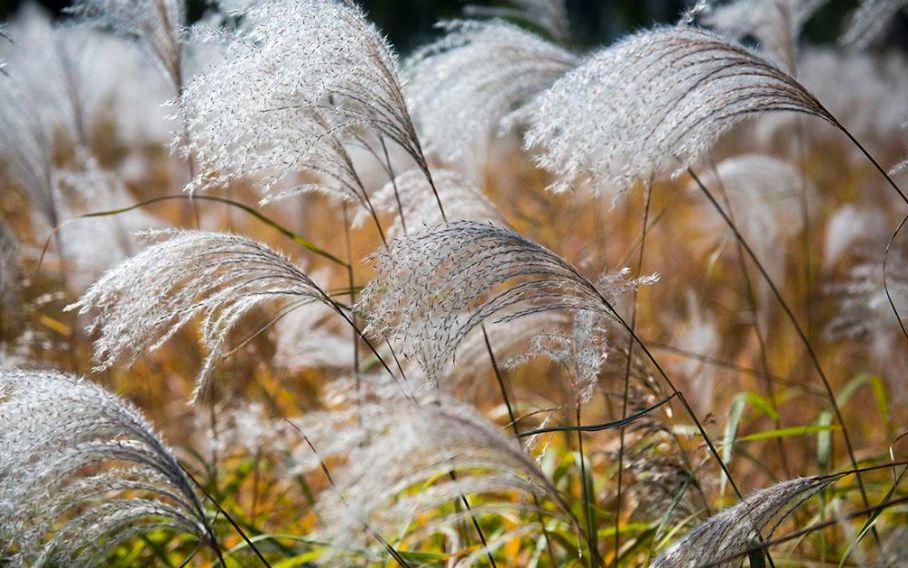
[
  {"x": 464, "y": 87},
  {"x": 735, "y": 529},
  {"x": 299, "y": 79},
  {"x": 54, "y": 430},
  {"x": 435, "y": 286},
  {"x": 653, "y": 104},
  {"x": 142, "y": 302}
]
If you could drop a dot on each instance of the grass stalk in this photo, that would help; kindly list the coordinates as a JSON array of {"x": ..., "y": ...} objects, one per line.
[
  {"x": 627, "y": 369},
  {"x": 798, "y": 329}
]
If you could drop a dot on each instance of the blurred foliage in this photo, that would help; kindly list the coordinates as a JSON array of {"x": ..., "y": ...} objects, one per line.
[{"x": 409, "y": 22}]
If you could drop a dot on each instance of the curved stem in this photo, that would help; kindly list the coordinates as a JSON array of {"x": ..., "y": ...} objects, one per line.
[
  {"x": 627, "y": 369},
  {"x": 800, "y": 332}
]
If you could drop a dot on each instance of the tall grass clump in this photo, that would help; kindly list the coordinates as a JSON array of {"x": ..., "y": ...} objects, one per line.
[{"x": 504, "y": 300}]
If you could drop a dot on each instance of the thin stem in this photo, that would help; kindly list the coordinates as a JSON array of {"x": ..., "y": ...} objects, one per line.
[
  {"x": 587, "y": 499},
  {"x": 230, "y": 520},
  {"x": 803, "y": 337},
  {"x": 482, "y": 536},
  {"x": 872, "y": 160},
  {"x": 754, "y": 309},
  {"x": 627, "y": 369},
  {"x": 513, "y": 422},
  {"x": 886, "y": 278},
  {"x": 350, "y": 282}
]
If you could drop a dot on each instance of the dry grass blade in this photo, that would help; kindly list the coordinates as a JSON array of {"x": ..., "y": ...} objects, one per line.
[{"x": 81, "y": 471}]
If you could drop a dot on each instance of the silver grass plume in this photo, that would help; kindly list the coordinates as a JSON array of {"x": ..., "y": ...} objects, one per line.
[
  {"x": 407, "y": 198},
  {"x": 737, "y": 528},
  {"x": 219, "y": 277},
  {"x": 401, "y": 466},
  {"x": 870, "y": 21},
  {"x": 653, "y": 104},
  {"x": 156, "y": 24},
  {"x": 245, "y": 124},
  {"x": 81, "y": 470},
  {"x": 549, "y": 16},
  {"x": 464, "y": 87},
  {"x": 299, "y": 75},
  {"x": 581, "y": 351},
  {"x": 775, "y": 24},
  {"x": 435, "y": 286}
]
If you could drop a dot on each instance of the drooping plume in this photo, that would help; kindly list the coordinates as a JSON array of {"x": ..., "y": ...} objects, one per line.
[
  {"x": 464, "y": 87},
  {"x": 653, "y": 104},
  {"x": 219, "y": 277},
  {"x": 736, "y": 529},
  {"x": 82, "y": 471},
  {"x": 434, "y": 286},
  {"x": 298, "y": 81},
  {"x": 406, "y": 446}
]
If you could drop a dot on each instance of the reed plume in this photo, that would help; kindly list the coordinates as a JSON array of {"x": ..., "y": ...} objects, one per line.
[
  {"x": 474, "y": 83},
  {"x": 660, "y": 98},
  {"x": 728, "y": 534},
  {"x": 82, "y": 471},
  {"x": 219, "y": 277},
  {"x": 435, "y": 286}
]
